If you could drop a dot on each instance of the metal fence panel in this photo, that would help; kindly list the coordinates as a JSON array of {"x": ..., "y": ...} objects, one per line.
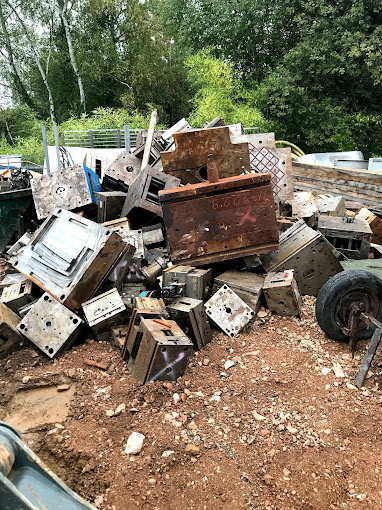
[{"x": 109, "y": 138}]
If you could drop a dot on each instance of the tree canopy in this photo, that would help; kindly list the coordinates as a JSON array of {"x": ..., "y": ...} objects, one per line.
[{"x": 308, "y": 69}]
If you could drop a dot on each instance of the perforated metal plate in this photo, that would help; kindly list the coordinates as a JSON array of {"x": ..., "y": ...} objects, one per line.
[
  {"x": 228, "y": 311},
  {"x": 67, "y": 188},
  {"x": 50, "y": 325}
]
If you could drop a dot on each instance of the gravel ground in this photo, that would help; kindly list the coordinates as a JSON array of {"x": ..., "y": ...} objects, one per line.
[{"x": 281, "y": 426}]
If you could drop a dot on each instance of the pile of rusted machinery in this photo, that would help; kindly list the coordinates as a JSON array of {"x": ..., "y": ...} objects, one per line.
[{"x": 194, "y": 228}]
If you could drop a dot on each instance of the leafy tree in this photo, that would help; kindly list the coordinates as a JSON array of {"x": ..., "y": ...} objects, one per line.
[
  {"x": 219, "y": 92},
  {"x": 329, "y": 84}
]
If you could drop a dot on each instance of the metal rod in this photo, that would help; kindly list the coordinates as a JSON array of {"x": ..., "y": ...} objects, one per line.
[
  {"x": 127, "y": 138},
  {"x": 57, "y": 143},
  {"x": 45, "y": 141},
  {"x": 372, "y": 349},
  {"x": 149, "y": 141}
]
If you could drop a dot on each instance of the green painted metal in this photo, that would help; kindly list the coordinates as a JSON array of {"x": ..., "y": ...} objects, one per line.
[
  {"x": 26, "y": 483},
  {"x": 374, "y": 266}
]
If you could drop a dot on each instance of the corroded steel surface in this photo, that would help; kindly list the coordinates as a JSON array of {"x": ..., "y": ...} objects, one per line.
[
  {"x": 210, "y": 222},
  {"x": 189, "y": 159}
]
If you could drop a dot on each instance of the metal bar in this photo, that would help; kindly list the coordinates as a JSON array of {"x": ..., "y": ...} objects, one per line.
[
  {"x": 372, "y": 349},
  {"x": 149, "y": 141},
  {"x": 118, "y": 133},
  {"x": 57, "y": 143},
  {"x": 91, "y": 138},
  {"x": 45, "y": 142},
  {"x": 127, "y": 138},
  {"x": 369, "y": 319}
]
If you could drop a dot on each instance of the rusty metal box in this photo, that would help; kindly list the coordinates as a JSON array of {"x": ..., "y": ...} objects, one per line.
[
  {"x": 50, "y": 326},
  {"x": 110, "y": 205},
  {"x": 70, "y": 257},
  {"x": 350, "y": 236},
  {"x": 118, "y": 336},
  {"x": 190, "y": 281},
  {"x": 248, "y": 286},
  {"x": 17, "y": 295},
  {"x": 9, "y": 335},
  {"x": 105, "y": 311},
  {"x": 163, "y": 352},
  {"x": 149, "y": 308},
  {"x": 221, "y": 220},
  {"x": 308, "y": 253},
  {"x": 282, "y": 294},
  {"x": 190, "y": 315},
  {"x": 67, "y": 188},
  {"x": 374, "y": 222},
  {"x": 142, "y": 199},
  {"x": 228, "y": 311}
]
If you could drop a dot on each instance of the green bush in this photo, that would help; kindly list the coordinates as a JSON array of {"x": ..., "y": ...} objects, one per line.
[
  {"x": 20, "y": 131},
  {"x": 220, "y": 93}
]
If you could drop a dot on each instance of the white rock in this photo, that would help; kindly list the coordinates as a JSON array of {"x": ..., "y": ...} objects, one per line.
[
  {"x": 110, "y": 413},
  {"x": 326, "y": 370},
  {"x": 351, "y": 386},
  {"x": 257, "y": 416},
  {"x": 228, "y": 364},
  {"x": 337, "y": 369},
  {"x": 176, "y": 398},
  {"x": 167, "y": 453},
  {"x": 134, "y": 443},
  {"x": 119, "y": 409}
]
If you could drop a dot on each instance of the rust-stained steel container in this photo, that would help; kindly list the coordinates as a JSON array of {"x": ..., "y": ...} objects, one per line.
[
  {"x": 221, "y": 220},
  {"x": 163, "y": 352}
]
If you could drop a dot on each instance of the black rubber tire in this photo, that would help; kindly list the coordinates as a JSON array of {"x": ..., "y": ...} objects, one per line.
[{"x": 331, "y": 293}]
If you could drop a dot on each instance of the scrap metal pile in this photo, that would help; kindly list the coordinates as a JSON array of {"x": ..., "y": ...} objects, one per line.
[{"x": 195, "y": 228}]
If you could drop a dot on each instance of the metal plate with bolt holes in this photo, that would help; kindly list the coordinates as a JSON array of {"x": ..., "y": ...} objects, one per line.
[
  {"x": 308, "y": 253},
  {"x": 282, "y": 294},
  {"x": 228, "y": 311},
  {"x": 103, "y": 307},
  {"x": 70, "y": 257},
  {"x": 50, "y": 326},
  {"x": 67, "y": 188},
  {"x": 125, "y": 168},
  {"x": 121, "y": 226}
]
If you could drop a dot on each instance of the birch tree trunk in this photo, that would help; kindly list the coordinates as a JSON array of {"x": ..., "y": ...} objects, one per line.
[
  {"x": 17, "y": 82},
  {"x": 52, "y": 110},
  {"x": 63, "y": 10}
]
